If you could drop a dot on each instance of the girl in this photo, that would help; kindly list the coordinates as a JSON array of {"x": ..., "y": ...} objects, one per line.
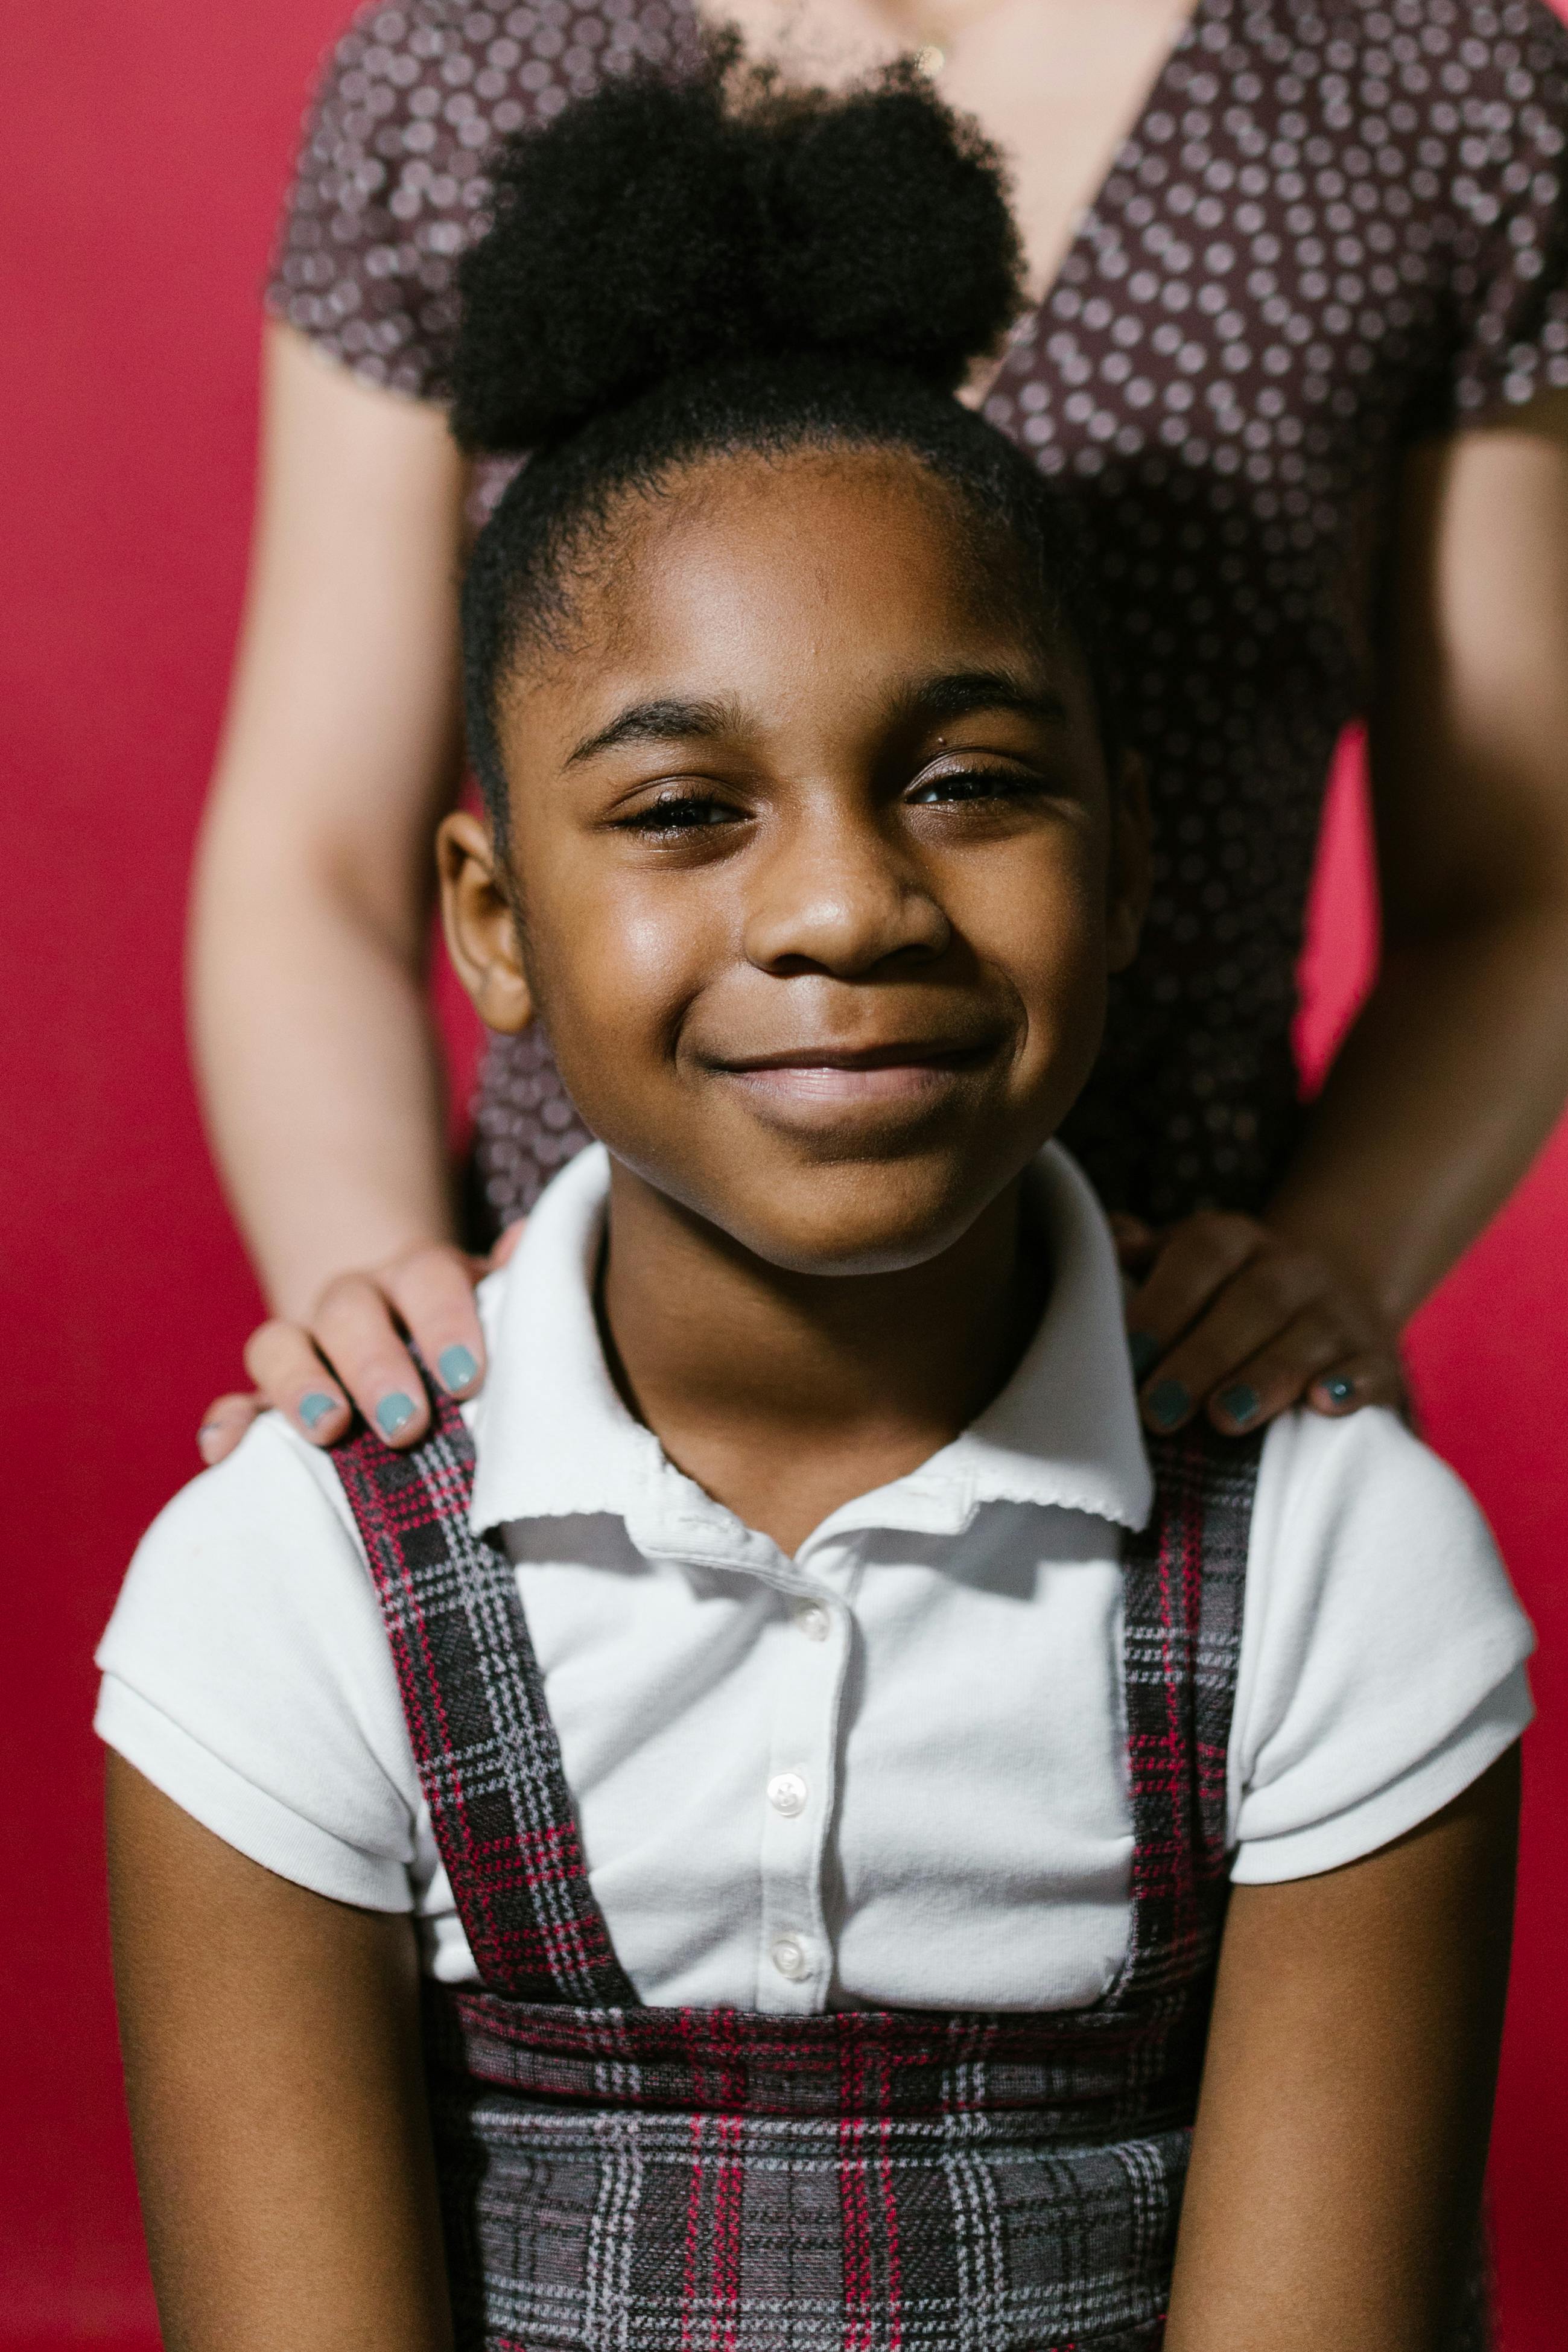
[{"x": 812, "y": 1745}]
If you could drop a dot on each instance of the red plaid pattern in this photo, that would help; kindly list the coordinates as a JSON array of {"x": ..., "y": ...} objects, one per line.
[
  {"x": 658, "y": 2180},
  {"x": 489, "y": 1763}
]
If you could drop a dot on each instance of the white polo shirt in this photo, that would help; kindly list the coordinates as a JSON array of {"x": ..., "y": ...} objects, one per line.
[{"x": 890, "y": 1770}]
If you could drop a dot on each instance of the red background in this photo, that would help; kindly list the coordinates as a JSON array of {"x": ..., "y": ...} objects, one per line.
[{"x": 146, "y": 151}]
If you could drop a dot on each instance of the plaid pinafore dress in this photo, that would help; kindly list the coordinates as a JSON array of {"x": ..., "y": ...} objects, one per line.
[{"x": 618, "y": 2178}]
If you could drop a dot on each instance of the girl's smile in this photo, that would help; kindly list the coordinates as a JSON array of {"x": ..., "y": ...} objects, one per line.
[{"x": 847, "y": 1093}]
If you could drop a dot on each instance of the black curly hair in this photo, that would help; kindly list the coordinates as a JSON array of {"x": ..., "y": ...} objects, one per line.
[{"x": 709, "y": 263}]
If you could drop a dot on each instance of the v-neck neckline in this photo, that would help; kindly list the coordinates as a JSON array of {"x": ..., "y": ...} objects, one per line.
[{"x": 1022, "y": 334}]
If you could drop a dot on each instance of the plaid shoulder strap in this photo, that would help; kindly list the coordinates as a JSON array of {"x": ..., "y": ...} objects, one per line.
[
  {"x": 1184, "y": 1581},
  {"x": 489, "y": 1762}
]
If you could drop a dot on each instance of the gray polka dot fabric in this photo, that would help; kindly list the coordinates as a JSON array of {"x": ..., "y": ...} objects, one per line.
[{"x": 1334, "y": 229}]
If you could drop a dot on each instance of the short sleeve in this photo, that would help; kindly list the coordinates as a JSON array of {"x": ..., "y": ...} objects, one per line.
[
  {"x": 247, "y": 1674},
  {"x": 1511, "y": 202},
  {"x": 390, "y": 186},
  {"x": 1383, "y": 1650}
]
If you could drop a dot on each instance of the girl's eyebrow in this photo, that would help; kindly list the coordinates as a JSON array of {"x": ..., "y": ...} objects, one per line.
[
  {"x": 953, "y": 694},
  {"x": 667, "y": 721},
  {"x": 957, "y": 693}
]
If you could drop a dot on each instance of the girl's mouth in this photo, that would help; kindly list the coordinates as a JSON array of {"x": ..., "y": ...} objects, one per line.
[{"x": 838, "y": 1076}]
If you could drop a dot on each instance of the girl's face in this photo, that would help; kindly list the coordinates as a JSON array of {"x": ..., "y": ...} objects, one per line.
[{"x": 819, "y": 868}]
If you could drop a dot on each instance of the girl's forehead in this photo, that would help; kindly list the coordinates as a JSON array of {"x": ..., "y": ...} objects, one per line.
[
  {"x": 784, "y": 644},
  {"x": 858, "y": 494},
  {"x": 837, "y": 551}
]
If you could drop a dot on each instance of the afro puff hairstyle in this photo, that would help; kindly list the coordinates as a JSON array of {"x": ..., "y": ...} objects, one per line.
[{"x": 706, "y": 263}]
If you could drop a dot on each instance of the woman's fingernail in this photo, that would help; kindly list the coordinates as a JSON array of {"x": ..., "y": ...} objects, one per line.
[
  {"x": 314, "y": 1408},
  {"x": 1167, "y": 1404},
  {"x": 207, "y": 1435},
  {"x": 1239, "y": 1404},
  {"x": 1339, "y": 1391},
  {"x": 394, "y": 1411},
  {"x": 457, "y": 1366},
  {"x": 1144, "y": 1350}
]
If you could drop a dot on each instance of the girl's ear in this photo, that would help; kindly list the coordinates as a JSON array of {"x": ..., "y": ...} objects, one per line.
[
  {"x": 481, "y": 930},
  {"x": 1130, "y": 876}
]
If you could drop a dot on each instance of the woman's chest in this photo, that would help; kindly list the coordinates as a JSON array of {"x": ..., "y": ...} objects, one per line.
[
  {"x": 1055, "y": 84},
  {"x": 1254, "y": 318},
  {"x": 1238, "y": 227}
]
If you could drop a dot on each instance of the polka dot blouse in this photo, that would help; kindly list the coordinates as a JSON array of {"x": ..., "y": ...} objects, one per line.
[{"x": 1334, "y": 227}]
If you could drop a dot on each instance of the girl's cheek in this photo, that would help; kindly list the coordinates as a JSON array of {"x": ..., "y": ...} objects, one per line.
[
  {"x": 1044, "y": 921},
  {"x": 652, "y": 944},
  {"x": 1062, "y": 978},
  {"x": 615, "y": 982}
]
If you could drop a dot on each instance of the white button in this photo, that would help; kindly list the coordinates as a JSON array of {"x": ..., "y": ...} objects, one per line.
[
  {"x": 812, "y": 1620},
  {"x": 787, "y": 1793},
  {"x": 789, "y": 1958}
]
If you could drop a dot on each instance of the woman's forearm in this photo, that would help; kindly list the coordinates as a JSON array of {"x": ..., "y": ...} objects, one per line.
[
  {"x": 1451, "y": 1079},
  {"x": 320, "y": 1075},
  {"x": 1457, "y": 1068},
  {"x": 316, "y": 877}
]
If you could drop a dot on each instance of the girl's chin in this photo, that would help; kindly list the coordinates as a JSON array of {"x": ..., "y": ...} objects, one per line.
[{"x": 850, "y": 1219}]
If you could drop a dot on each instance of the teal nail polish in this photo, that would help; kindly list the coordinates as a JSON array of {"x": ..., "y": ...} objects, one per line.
[
  {"x": 314, "y": 1408},
  {"x": 1339, "y": 1391},
  {"x": 394, "y": 1411},
  {"x": 1167, "y": 1404},
  {"x": 1144, "y": 1350},
  {"x": 457, "y": 1366},
  {"x": 1240, "y": 1402}
]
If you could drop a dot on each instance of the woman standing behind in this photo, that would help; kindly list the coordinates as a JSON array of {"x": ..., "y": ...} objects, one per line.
[{"x": 1302, "y": 345}]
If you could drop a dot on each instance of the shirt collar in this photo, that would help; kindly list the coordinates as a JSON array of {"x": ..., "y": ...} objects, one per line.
[
  {"x": 553, "y": 1438},
  {"x": 551, "y": 1435},
  {"x": 1064, "y": 1431}
]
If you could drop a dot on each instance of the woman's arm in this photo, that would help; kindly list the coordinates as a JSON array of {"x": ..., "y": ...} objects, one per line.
[
  {"x": 277, "y": 2095},
  {"x": 1455, "y": 1071},
  {"x": 1456, "y": 1066},
  {"x": 314, "y": 881},
  {"x": 1335, "y": 2194}
]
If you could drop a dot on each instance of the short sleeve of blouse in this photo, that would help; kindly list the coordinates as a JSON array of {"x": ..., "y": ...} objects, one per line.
[
  {"x": 389, "y": 185},
  {"x": 1509, "y": 124}
]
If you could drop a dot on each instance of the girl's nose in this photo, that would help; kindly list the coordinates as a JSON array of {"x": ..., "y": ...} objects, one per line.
[{"x": 841, "y": 901}]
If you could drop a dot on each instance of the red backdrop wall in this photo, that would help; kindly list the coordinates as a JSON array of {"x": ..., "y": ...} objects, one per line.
[{"x": 146, "y": 151}]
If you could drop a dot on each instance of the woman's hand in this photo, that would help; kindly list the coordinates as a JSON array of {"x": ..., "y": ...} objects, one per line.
[
  {"x": 355, "y": 1347},
  {"x": 1232, "y": 1318}
]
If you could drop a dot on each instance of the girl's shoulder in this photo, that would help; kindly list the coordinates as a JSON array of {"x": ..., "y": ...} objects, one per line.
[
  {"x": 1329, "y": 1487},
  {"x": 1382, "y": 1648},
  {"x": 267, "y": 1532},
  {"x": 246, "y": 1674}
]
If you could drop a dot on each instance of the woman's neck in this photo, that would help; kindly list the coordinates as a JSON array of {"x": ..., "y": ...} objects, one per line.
[{"x": 786, "y": 1395}]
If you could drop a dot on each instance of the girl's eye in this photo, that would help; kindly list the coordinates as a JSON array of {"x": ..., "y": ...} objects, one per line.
[
  {"x": 678, "y": 813},
  {"x": 973, "y": 784}
]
